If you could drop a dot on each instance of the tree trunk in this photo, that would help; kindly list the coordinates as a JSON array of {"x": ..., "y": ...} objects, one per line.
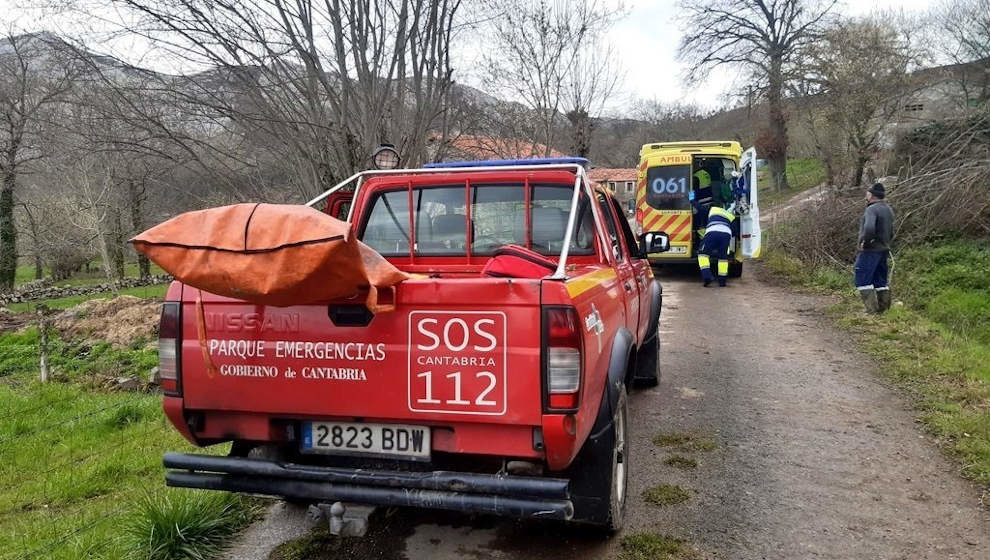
[
  {"x": 777, "y": 154},
  {"x": 8, "y": 233},
  {"x": 857, "y": 178},
  {"x": 101, "y": 243},
  {"x": 134, "y": 194},
  {"x": 116, "y": 246},
  {"x": 39, "y": 270},
  {"x": 581, "y": 132},
  {"x": 829, "y": 170}
]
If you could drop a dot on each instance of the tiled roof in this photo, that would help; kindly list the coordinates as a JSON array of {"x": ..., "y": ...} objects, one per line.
[
  {"x": 605, "y": 174},
  {"x": 485, "y": 147}
]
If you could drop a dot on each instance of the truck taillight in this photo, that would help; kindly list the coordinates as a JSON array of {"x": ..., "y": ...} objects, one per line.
[
  {"x": 169, "y": 338},
  {"x": 562, "y": 358}
]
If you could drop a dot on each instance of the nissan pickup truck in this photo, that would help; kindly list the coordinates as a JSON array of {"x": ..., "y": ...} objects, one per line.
[{"x": 482, "y": 394}]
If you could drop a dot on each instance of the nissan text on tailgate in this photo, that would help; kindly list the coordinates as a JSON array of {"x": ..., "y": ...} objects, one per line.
[{"x": 499, "y": 394}]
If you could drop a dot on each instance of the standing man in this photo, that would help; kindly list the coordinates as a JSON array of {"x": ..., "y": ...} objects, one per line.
[{"x": 876, "y": 230}]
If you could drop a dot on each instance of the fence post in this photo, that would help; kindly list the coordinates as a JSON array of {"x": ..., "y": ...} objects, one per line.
[{"x": 43, "y": 325}]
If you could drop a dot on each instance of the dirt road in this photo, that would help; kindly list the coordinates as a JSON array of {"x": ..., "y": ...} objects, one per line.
[{"x": 815, "y": 456}]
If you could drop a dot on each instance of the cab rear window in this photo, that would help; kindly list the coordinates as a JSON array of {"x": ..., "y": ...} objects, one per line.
[{"x": 438, "y": 223}]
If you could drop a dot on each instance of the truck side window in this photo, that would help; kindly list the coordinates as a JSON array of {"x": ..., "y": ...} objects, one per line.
[
  {"x": 631, "y": 243},
  {"x": 613, "y": 233}
]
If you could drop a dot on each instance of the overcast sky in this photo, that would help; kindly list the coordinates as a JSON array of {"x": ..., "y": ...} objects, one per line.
[{"x": 645, "y": 40}]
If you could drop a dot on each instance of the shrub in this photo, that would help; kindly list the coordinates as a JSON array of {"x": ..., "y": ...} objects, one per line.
[{"x": 185, "y": 525}]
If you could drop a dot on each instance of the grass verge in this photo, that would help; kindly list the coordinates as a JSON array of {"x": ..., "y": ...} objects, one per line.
[
  {"x": 650, "y": 546},
  {"x": 79, "y": 465},
  {"x": 666, "y": 495},
  {"x": 934, "y": 342}
]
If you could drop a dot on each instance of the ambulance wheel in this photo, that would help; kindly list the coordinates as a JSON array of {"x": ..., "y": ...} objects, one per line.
[
  {"x": 735, "y": 269},
  {"x": 647, "y": 372},
  {"x": 600, "y": 473}
]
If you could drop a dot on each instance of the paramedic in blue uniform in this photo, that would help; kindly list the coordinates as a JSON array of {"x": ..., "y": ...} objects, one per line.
[{"x": 721, "y": 228}]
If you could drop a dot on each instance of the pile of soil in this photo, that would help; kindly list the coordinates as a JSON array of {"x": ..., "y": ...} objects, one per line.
[{"x": 121, "y": 321}]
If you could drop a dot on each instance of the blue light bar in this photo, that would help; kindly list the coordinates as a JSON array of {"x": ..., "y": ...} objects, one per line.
[{"x": 583, "y": 162}]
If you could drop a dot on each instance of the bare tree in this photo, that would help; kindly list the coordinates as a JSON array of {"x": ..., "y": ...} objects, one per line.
[
  {"x": 963, "y": 37},
  {"x": 317, "y": 83},
  {"x": 593, "y": 78},
  {"x": 764, "y": 38},
  {"x": 33, "y": 77},
  {"x": 532, "y": 59},
  {"x": 671, "y": 121},
  {"x": 861, "y": 69}
]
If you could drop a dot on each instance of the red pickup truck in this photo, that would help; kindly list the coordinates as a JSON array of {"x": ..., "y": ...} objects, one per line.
[{"x": 496, "y": 395}]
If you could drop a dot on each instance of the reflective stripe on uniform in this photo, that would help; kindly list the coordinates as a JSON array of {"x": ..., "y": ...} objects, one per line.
[
  {"x": 704, "y": 262},
  {"x": 723, "y": 268},
  {"x": 721, "y": 212},
  {"x": 720, "y": 227}
]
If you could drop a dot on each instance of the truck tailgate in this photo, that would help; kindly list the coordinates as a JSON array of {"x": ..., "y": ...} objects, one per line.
[{"x": 454, "y": 349}]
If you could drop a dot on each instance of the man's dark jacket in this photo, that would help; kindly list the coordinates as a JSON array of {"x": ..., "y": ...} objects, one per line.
[{"x": 877, "y": 227}]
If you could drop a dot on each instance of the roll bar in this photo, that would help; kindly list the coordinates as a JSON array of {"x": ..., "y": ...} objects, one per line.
[{"x": 580, "y": 178}]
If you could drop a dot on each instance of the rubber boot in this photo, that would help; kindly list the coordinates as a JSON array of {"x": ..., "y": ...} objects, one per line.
[
  {"x": 870, "y": 300},
  {"x": 883, "y": 300}
]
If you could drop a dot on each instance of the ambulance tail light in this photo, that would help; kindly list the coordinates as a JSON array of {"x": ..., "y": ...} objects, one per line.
[
  {"x": 169, "y": 338},
  {"x": 562, "y": 359}
]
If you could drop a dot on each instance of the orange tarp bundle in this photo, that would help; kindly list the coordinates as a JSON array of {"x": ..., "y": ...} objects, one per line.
[{"x": 270, "y": 254}]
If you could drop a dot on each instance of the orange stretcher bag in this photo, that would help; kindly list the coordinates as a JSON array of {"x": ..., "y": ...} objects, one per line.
[{"x": 269, "y": 254}]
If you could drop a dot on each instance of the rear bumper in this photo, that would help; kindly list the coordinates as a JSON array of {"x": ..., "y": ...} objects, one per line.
[{"x": 511, "y": 496}]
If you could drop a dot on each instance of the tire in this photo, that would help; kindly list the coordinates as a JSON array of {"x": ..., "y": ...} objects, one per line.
[
  {"x": 735, "y": 269},
  {"x": 600, "y": 474},
  {"x": 647, "y": 373}
]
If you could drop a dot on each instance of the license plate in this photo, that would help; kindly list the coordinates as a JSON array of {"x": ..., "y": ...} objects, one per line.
[
  {"x": 678, "y": 250},
  {"x": 382, "y": 440}
]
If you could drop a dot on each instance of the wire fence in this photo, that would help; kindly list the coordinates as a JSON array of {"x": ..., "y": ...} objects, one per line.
[{"x": 71, "y": 465}]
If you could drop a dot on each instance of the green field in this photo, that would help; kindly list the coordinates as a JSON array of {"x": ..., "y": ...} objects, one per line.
[
  {"x": 80, "y": 467},
  {"x": 802, "y": 174},
  {"x": 935, "y": 341},
  {"x": 25, "y": 274}
]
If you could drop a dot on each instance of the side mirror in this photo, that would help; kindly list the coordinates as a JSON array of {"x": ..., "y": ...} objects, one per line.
[{"x": 654, "y": 242}]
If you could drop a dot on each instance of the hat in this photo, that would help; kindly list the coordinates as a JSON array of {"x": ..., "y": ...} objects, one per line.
[{"x": 878, "y": 190}]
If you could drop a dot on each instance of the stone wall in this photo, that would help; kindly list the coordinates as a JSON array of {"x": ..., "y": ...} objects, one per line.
[{"x": 44, "y": 289}]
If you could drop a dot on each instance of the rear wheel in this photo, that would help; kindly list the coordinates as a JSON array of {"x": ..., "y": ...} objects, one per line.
[
  {"x": 735, "y": 269},
  {"x": 600, "y": 474}
]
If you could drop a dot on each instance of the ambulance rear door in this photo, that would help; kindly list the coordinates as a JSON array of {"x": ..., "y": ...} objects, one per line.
[{"x": 749, "y": 221}]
